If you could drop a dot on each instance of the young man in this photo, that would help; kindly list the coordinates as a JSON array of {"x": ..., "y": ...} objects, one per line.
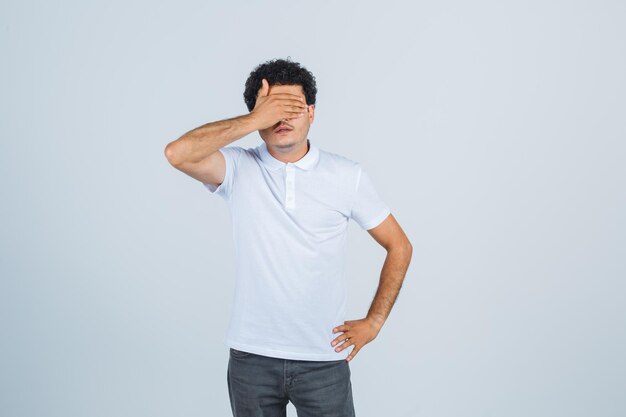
[{"x": 290, "y": 203}]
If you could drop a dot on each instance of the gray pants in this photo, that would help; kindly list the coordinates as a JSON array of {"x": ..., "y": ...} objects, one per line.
[{"x": 261, "y": 386}]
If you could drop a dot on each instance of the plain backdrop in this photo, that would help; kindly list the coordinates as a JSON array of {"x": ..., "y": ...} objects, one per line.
[{"x": 494, "y": 130}]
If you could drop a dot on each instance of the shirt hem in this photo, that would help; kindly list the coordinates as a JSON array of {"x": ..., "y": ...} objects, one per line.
[{"x": 281, "y": 354}]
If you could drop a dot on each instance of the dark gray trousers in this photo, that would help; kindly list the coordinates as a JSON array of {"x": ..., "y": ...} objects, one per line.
[{"x": 261, "y": 386}]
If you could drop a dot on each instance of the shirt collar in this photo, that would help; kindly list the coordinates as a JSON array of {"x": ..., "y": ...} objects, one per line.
[{"x": 307, "y": 162}]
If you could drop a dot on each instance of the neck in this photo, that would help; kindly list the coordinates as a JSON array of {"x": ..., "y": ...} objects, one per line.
[{"x": 290, "y": 153}]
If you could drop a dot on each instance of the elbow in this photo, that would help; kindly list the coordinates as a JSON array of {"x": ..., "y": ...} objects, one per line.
[
  {"x": 409, "y": 249},
  {"x": 407, "y": 253},
  {"x": 403, "y": 248},
  {"x": 171, "y": 155}
]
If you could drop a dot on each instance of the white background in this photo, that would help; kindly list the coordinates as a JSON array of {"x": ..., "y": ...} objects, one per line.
[{"x": 494, "y": 130}]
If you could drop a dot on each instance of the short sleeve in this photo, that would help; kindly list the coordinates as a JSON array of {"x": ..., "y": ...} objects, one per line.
[
  {"x": 368, "y": 209},
  {"x": 231, "y": 156}
]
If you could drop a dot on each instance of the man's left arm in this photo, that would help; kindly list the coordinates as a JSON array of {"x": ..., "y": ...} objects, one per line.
[{"x": 390, "y": 236}]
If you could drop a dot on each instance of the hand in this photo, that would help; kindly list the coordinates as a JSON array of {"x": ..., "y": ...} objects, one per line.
[
  {"x": 269, "y": 109},
  {"x": 358, "y": 332}
]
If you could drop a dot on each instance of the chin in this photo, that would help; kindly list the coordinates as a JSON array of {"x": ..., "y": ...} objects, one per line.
[
  {"x": 286, "y": 138},
  {"x": 285, "y": 142}
]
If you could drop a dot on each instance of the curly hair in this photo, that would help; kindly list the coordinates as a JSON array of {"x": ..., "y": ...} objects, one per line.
[{"x": 279, "y": 72}]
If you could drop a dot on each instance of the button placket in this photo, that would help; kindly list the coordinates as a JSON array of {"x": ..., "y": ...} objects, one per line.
[{"x": 290, "y": 183}]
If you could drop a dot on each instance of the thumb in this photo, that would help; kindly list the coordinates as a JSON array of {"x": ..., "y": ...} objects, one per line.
[{"x": 264, "y": 88}]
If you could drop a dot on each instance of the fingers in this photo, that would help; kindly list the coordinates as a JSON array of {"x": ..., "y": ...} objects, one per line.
[
  {"x": 289, "y": 96},
  {"x": 294, "y": 111},
  {"x": 291, "y": 105},
  {"x": 355, "y": 333},
  {"x": 345, "y": 344},
  {"x": 279, "y": 106},
  {"x": 293, "y": 99},
  {"x": 352, "y": 354},
  {"x": 342, "y": 337},
  {"x": 340, "y": 328},
  {"x": 292, "y": 102}
]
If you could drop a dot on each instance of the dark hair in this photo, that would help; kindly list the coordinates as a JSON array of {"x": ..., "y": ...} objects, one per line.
[{"x": 279, "y": 72}]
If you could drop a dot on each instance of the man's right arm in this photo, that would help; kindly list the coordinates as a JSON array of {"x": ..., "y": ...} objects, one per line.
[{"x": 196, "y": 152}]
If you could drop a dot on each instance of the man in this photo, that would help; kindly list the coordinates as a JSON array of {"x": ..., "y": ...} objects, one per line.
[{"x": 290, "y": 203}]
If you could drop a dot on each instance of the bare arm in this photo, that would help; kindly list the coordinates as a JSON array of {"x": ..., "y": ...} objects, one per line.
[
  {"x": 358, "y": 333},
  {"x": 202, "y": 141},
  {"x": 196, "y": 152},
  {"x": 390, "y": 235}
]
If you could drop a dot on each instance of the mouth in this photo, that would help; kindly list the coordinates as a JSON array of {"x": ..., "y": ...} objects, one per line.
[{"x": 281, "y": 130}]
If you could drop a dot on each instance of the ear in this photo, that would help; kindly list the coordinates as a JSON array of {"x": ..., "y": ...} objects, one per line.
[{"x": 311, "y": 113}]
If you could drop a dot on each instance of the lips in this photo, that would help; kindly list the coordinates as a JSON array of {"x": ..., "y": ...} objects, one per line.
[{"x": 282, "y": 129}]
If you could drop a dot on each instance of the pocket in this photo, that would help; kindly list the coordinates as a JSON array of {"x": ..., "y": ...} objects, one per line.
[{"x": 239, "y": 353}]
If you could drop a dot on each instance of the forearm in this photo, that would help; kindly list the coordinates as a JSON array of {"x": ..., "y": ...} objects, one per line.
[
  {"x": 202, "y": 141},
  {"x": 391, "y": 278}
]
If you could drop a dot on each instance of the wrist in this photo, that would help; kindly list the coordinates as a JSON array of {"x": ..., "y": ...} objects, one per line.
[
  {"x": 376, "y": 320},
  {"x": 252, "y": 120}
]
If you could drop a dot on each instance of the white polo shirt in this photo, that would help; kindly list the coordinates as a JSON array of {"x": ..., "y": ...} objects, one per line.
[{"x": 289, "y": 225}]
